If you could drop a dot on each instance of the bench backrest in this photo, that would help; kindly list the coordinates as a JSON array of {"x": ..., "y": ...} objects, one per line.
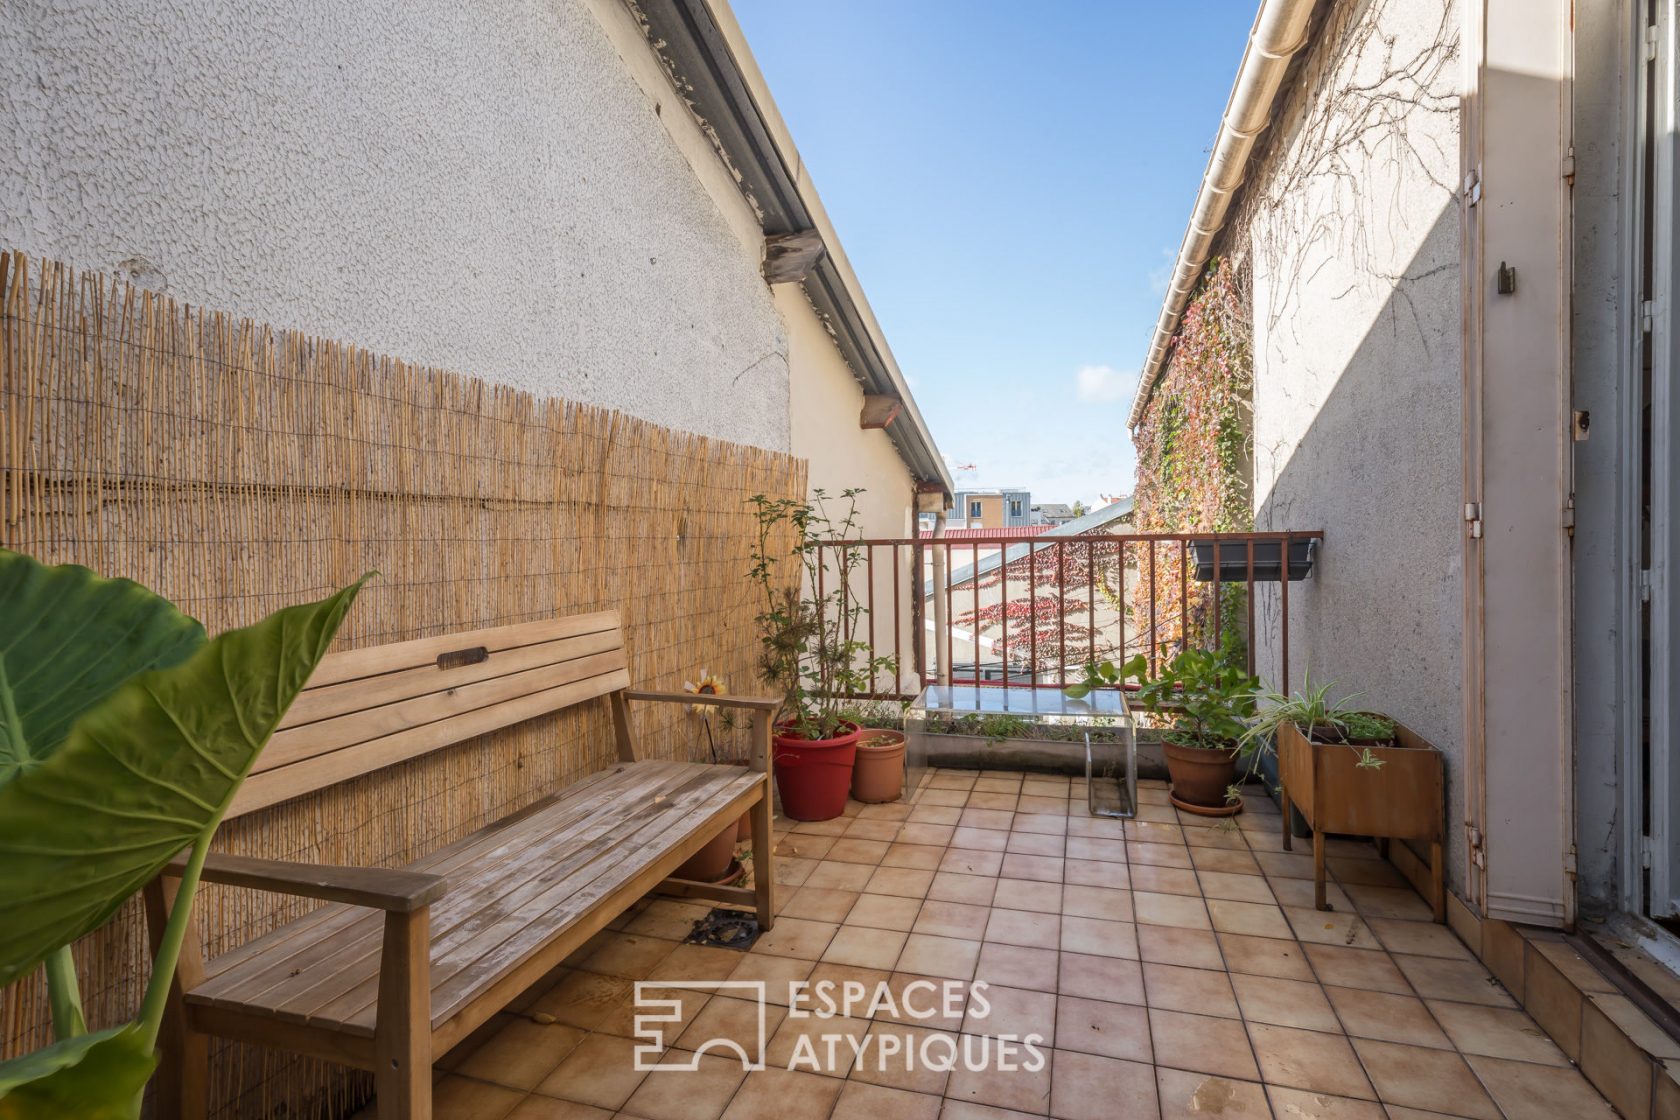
[{"x": 369, "y": 708}]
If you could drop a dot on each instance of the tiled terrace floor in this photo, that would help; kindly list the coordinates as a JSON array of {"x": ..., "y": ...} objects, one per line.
[{"x": 1175, "y": 968}]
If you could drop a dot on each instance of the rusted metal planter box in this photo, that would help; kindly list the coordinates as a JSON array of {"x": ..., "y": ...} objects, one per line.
[{"x": 1403, "y": 800}]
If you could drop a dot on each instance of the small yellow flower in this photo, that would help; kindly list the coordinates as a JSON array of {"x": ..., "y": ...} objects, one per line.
[{"x": 708, "y": 685}]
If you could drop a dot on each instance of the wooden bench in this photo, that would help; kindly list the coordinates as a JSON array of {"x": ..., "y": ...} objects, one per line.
[{"x": 401, "y": 964}]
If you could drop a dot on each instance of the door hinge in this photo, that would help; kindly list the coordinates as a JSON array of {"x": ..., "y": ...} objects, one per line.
[
  {"x": 1651, "y": 43},
  {"x": 1569, "y": 516},
  {"x": 1645, "y": 319},
  {"x": 1473, "y": 516},
  {"x": 1644, "y": 585},
  {"x": 1569, "y": 862},
  {"x": 1645, "y": 851},
  {"x": 1473, "y": 187},
  {"x": 1478, "y": 855},
  {"x": 1569, "y": 164}
]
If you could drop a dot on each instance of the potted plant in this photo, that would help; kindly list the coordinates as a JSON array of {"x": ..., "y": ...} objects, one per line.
[
  {"x": 878, "y": 773},
  {"x": 1355, "y": 773},
  {"x": 121, "y": 709},
  {"x": 1207, "y": 696},
  {"x": 809, "y": 630}
]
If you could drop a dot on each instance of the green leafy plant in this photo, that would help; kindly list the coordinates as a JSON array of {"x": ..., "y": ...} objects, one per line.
[
  {"x": 124, "y": 735},
  {"x": 1206, "y": 695},
  {"x": 1320, "y": 719},
  {"x": 809, "y": 626}
]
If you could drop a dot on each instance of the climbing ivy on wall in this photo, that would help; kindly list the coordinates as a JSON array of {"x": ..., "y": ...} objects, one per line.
[{"x": 1193, "y": 450}]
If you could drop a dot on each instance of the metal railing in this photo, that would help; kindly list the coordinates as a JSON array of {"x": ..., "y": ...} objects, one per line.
[{"x": 1035, "y": 611}]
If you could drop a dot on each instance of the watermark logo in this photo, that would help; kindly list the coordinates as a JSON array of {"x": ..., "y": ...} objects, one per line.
[
  {"x": 660, "y": 1011},
  {"x": 884, "y": 1049}
]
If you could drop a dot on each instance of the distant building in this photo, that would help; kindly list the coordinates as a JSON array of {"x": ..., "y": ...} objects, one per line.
[
  {"x": 1052, "y": 513},
  {"x": 990, "y": 509}
]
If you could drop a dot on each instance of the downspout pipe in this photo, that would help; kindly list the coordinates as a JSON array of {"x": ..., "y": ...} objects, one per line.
[{"x": 1278, "y": 34}]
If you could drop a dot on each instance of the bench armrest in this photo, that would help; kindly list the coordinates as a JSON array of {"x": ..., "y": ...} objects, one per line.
[
  {"x": 755, "y": 703},
  {"x": 380, "y": 888}
]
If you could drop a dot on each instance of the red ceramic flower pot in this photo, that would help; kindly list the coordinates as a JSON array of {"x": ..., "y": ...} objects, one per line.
[{"x": 813, "y": 776}]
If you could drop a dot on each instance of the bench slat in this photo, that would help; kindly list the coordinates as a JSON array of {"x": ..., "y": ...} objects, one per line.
[{"x": 371, "y": 661}]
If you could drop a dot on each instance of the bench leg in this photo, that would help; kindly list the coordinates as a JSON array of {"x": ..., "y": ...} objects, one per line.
[
  {"x": 764, "y": 865},
  {"x": 183, "y": 1075},
  {"x": 402, "y": 1038}
]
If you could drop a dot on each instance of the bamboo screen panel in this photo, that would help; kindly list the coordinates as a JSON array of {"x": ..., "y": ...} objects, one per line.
[{"x": 237, "y": 468}]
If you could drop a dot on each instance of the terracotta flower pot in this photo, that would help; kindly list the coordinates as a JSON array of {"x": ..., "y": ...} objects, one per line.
[
  {"x": 1200, "y": 778},
  {"x": 878, "y": 774},
  {"x": 813, "y": 776},
  {"x": 710, "y": 863}
]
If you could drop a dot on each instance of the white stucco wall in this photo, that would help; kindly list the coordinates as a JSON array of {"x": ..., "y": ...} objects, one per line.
[
  {"x": 1353, "y": 242},
  {"x": 826, "y": 402},
  {"x": 482, "y": 186}
]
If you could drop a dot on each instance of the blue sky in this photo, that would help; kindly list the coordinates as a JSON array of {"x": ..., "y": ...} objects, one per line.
[{"x": 1010, "y": 181}]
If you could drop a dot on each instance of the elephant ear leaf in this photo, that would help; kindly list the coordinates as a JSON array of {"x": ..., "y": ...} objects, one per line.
[
  {"x": 91, "y": 1077},
  {"x": 142, "y": 774},
  {"x": 71, "y": 637}
]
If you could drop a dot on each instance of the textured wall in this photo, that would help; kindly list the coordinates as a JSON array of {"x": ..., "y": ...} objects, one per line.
[
  {"x": 474, "y": 185},
  {"x": 1353, "y": 233}
]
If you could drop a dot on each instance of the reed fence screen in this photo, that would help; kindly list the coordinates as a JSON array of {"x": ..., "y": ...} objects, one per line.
[{"x": 236, "y": 468}]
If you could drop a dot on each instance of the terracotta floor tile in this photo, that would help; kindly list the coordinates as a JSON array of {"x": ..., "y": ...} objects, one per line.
[
  {"x": 884, "y": 911},
  {"x": 1236, "y": 888},
  {"x": 791, "y": 871},
  {"x": 832, "y": 977},
  {"x": 1299, "y": 1104},
  {"x": 1284, "y": 865},
  {"x": 1160, "y": 855},
  {"x": 924, "y": 857},
  {"x": 669, "y": 919},
  {"x": 1424, "y": 939},
  {"x": 947, "y": 957},
  {"x": 1114, "y": 979},
  {"x": 779, "y": 1094},
  {"x": 1018, "y": 966},
  {"x": 1164, "y": 880},
  {"x": 1096, "y": 848},
  {"x": 1046, "y": 869},
  {"x": 1029, "y": 894},
  {"x": 1460, "y": 981},
  {"x": 935, "y": 814},
  {"x": 776, "y": 973},
  {"x": 538, "y": 1107},
  {"x": 939, "y": 796},
  {"x": 872, "y": 828},
  {"x": 1041, "y": 824},
  {"x": 1372, "y": 872},
  {"x": 835, "y": 827},
  {"x": 926, "y": 1001},
  {"x": 628, "y": 955},
  {"x": 986, "y": 818},
  {"x": 1098, "y": 938},
  {"x": 1366, "y": 969},
  {"x": 1299, "y": 1059},
  {"x": 1182, "y": 911},
  {"x": 886, "y": 811},
  {"x": 1035, "y": 804},
  {"x": 1388, "y": 1017},
  {"x": 1012, "y": 1011},
  {"x": 952, "y": 779},
  {"x": 839, "y": 876},
  {"x": 696, "y": 962},
  {"x": 1199, "y": 990},
  {"x": 1196, "y": 1096},
  {"x": 1092, "y": 1087},
  {"x": 964, "y": 1110},
  {"x": 1080, "y": 824},
  {"x": 1496, "y": 1032},
  {"x": 1225, "y": 860},
  {"x": 1153, "y": 832},
  {"x": 860, "y": 1100},
  {"x": 1389, "y": 902},
  {"x": 1020, "y": 927},
  {"x": 1419, "y": 1077},
  {"x": 724, "y": 1018},
  {"x": 1019, "y": 1088},
  {"x": 864, "y": 947},
  {"x": 586, "y": 999},
  {"x": 1091, "y": 1026},
  {"x": 819, "y": 904},
  {"x": 1251, "y": 918},
  {"x": 1325, "y": 927},
  {"x": 521, "y": 1053},
  {"x": 1094, "y": 873},
  {"x": 462, "y": 1098},
  {"x": 952, "y": 919},
  {"x": 600, "y": 1071},
  {"x": 1232, "y": 839},
  {"x": 893, "y": 1057},
  {"x": 916, "y": 832},
  {"x": 1036, "y": 844},
  {"x": 1265, "y": 956},
  {"x": 1284, "y": 1003},
  {"x": 972, "y": 861},
  {"x": 998, "y": 781},
  {"x": 1097, "y": 902},
  {"x": 1203, "y": 1044},
  {"x": 955, "y": 886},
  {"x": 1192, "y": 948},
  {"x": 1539, "y": 1092},
  {"x": 1298, "y": 894},
  {"x": 796, "y": 937},
  {"x": 905, "y": 882},
  {"x": 787, "y": 1052},
  {"x": 989, "y": 800}
]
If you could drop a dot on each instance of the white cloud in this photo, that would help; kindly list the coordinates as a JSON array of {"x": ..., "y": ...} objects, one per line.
[{"x": 1105, "y": 384}]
